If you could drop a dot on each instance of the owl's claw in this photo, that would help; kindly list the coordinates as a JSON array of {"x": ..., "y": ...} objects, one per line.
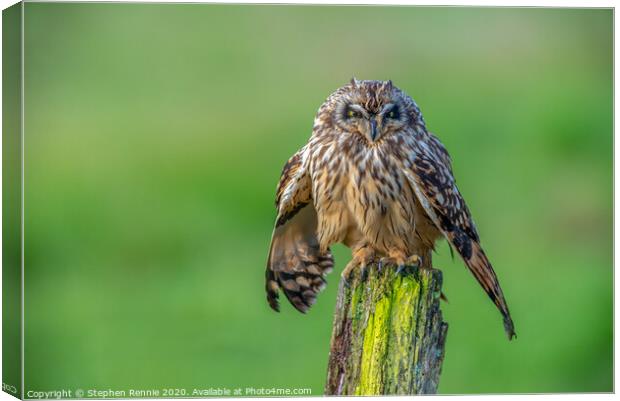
[
  {"x": 362, "y": 257},
  {"x": 414, "y": 260},
  {"x": 387, "y": 261},
  {"x": 401, "y": 263},
  {"x": 363, "y": 272},
  {"x": 346, "y": 273},
  {"x": 400, "y": 266}
]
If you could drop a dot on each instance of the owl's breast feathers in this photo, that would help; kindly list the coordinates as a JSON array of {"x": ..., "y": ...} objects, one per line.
[{"x": 363, "y": 197}]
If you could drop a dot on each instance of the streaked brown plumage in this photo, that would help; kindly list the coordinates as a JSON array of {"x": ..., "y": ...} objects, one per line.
[{"x": 371, "y": 177}]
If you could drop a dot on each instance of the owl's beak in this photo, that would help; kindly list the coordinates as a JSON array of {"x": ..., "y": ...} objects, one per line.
[{"x": 373, "y": 129}]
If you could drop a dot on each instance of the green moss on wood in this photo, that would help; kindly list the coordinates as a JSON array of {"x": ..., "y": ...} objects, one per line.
[
  {"x": 388, "y": 334},
  {"x": 374, "y": 348}
]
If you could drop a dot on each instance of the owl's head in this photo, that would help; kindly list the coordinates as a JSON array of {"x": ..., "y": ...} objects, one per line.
[{"x": 373, "y": 109}]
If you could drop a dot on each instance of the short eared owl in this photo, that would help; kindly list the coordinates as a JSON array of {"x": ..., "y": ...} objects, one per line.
[{"x": 371, "y": 177}]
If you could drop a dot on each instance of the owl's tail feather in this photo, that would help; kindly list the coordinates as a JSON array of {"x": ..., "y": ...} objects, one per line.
[
  {"x": 476, "y": 260},
  {"x": 481, "y": 268},
  {"x": 296, "y": 265}
]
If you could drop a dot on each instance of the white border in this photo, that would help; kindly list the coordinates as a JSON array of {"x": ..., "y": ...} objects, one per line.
[
  {"x": 463, "y": 3},
  {"x": 483, "y": 3}
]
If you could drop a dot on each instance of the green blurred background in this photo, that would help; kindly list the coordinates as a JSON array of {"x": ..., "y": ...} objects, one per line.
[{"x": 155, "y": 136}]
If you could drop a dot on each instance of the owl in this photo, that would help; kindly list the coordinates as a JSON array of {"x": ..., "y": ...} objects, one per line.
[{"x": 373, "y": 178}]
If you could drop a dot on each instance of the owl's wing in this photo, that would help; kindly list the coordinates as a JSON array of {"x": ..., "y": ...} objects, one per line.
[
  {"x": 430, "y": 173},
  {"x": 295, "y": 263}
]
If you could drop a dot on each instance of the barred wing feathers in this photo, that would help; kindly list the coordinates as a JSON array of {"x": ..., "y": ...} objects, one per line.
[
  {"x": 295, "y": 264},
  {"x": 430, "y": 174}
]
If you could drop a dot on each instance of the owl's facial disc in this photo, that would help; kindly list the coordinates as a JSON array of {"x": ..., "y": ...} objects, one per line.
[{"x": 372, "y": 125}]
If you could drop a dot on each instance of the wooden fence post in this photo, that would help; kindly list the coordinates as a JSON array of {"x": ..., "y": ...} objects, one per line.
[{"x": 388, "y": 335}]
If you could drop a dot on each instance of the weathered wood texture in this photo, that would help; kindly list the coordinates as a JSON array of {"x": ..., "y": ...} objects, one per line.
[{"x": 388, "y": 336}]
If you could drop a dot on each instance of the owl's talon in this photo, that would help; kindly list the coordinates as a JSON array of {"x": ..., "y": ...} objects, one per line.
[
  {"x": 363, "y": 272},
  {"x": 387, "y": 261},
  {"x": 414, "y": 260},
  {"x": 380, "y": 266},
  {"x": 400, "y": 269},
  {"x": 346, "y": 273},
  {"x": 362, "y": 257}
]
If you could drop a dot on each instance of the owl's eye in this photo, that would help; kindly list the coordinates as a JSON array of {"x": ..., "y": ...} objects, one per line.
[
  {"x": 350, "y": 113},
  {"x": 393, "y": 113}
]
